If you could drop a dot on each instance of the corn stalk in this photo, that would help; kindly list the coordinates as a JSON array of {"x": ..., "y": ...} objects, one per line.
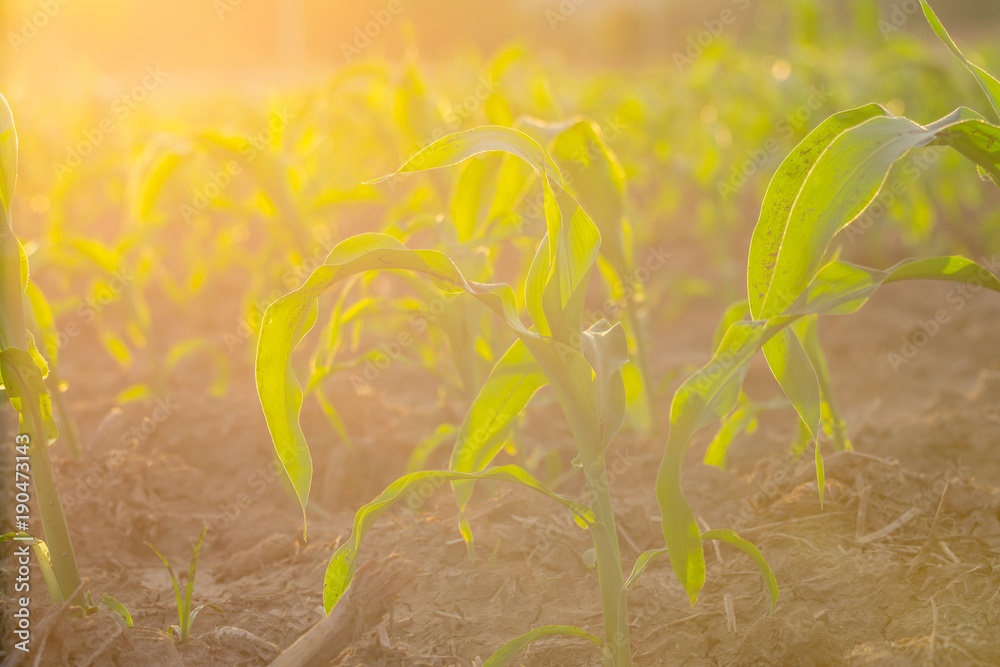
[{"x": 23, "y": 370}]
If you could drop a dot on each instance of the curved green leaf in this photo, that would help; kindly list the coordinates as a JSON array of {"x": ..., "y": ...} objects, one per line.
[
  {"x": 641, "y": 563},
  {"x": 712, "y": 392},
  {"x": 782, "y": 192},
  {"x": 413, "y": 488},
  {"x": 977, "y": 140},
  {"x": 285, "y": 322},
  {"x": 844, "y": 180},
  {"x": 741, "y": 420},
  {"x": 506, "y": 653},
  {"x": 595, "y": 178},
  {"x": 705, "y": 397},
  {"x": 725, "y": 535},
  {"x": 512, "y": 383},
  {"x": 841, "y": 287},
  {"x": 455, "y": 148},
  {"x": 749, "y": 549},
  {"x": 990, "y": 86}
]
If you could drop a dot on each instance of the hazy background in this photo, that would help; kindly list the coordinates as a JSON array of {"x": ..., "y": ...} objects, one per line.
[{"x": 80, "y": 44}]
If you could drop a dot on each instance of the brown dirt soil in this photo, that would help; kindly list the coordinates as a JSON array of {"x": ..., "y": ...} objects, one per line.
[{"x": 900, "y": 565}]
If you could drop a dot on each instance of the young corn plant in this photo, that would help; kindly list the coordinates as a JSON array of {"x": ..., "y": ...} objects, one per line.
[
  {"x": 185, "y": 612},
  {"x": 583, "y": 366},
  {"x": 23, "y": 370},
  {"x": 793, "y": 276}
]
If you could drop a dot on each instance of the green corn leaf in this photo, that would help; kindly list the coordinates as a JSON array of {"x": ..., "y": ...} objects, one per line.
[
  {"x": 13, "y": 278},
  {"x": 741, "y": 420},
  {"x": 109, "y": 260},
  {"x": 795, "y": 374},
  {"x": 705, "y": 397},
  {"x": 412, "y": 488},
  {"x": 749, "y": 549},
  {"x": 606, "y": 349},
  {"x": 557, "y": 287},
  {"x": 831, "y": 186},
  {"x": 513, "y": 382},
  {"x": 508, "y": 651},
  {"x": 990, "y": 86},
  {"x": 23, "y": 380},
  {"x": 333, "y": 416},
  {"x": 974, "y": 138},
  {"x": 150, "y": 173},
  {"x": 455, "y": 148},
  {"x": 641, "y": 563},
  {"x": 178, "y": 598},
  {"x": 422, "y": 452},
  {"x": 840, "y": 185},
  {"x": 784, "y": 188},
  {"x": 840, "y": 287},
  {"x": 713, "y": 391},
  {"x": 8, "y": 154},
  {"x": 594, "y": 177},
  {"x": 512, "y": 183},
  {"x": 187, "y": 614},
  {"x": 13, "y": 261},
  {"x": 465, "y": 202},
  {"x": 736, "y": 312},
  {"x": 116, "y": 610},
  {"x": 134, "y": 392},
  {"x": 807, "y": 331},
  {"x": 725, "y": 535},
  {"x": 116, "y": 347},
  {"x": 538, "y": 299},
  {"x": 39, "y": 313},
  {"x": 284, "y": 323}
]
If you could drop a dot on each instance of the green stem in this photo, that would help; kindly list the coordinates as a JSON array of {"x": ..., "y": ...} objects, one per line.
[
  {"x": 49, "y": 506},
  {"x": 609, "y": 566}
]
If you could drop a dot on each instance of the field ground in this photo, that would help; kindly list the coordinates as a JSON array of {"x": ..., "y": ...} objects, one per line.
[{"x": 900, "y": 566}]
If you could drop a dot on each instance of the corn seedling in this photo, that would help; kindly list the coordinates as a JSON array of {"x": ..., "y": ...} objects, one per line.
[
  {"x": 820, "y": 188},
  {"x": 583, "y": 366},
  {"x": 185, "y": 612},
  {"x": 24, "y": 370}
]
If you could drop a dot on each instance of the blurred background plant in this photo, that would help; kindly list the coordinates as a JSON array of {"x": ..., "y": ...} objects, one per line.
[{"x": 177, "y": 152}]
